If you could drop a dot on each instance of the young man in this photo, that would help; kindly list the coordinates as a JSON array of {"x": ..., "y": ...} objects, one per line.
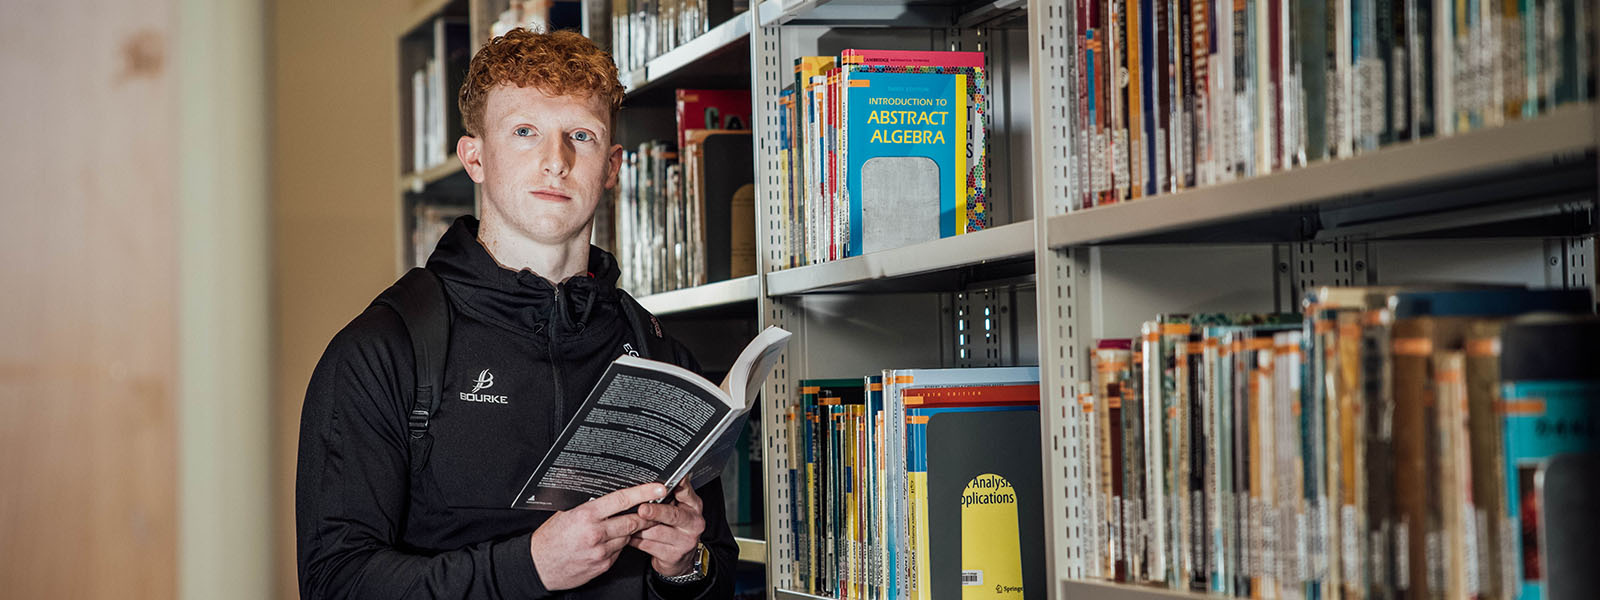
[{"x": 535, "y": 319}]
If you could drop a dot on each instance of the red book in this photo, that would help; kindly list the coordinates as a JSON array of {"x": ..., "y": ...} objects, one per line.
[
  {"x": 911, "y": 58},
  {"x": 1026, "y": 394},
  {"x": 712, "y": 109}
]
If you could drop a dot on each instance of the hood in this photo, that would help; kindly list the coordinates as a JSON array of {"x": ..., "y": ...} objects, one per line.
[{"x": 522, "y": 300}]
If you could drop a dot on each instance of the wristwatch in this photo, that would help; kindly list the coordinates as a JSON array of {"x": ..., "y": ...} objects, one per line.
[{"x": 702, "y": 567}]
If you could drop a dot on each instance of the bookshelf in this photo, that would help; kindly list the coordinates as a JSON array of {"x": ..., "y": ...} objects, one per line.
[
  {"x": 717, "y": 56},
  {"x": 737, "y": 291},
  {"x": 1509, "y": 204},
  {"x": 946, "y": 264}
]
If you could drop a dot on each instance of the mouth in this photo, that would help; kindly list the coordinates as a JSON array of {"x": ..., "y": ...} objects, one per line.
[{"x": 551, "y": 195}]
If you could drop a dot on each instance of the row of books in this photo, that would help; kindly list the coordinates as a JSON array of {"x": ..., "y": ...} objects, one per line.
[
  {"x": 1174, "y": 94},
  {"x": 914, "y": 484},
  {"x": 431, "y": 218},
  {"x": 644, "y": 29},
  {"x": 1383, "y": 445},
  {"x": 880, "y": 149},
  {"x": 435, "y": 122},
  {"x": 685, "y": 212}
]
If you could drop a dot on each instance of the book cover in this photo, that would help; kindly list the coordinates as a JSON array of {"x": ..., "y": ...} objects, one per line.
[
  {"x": 711, "y": 109},
  {"x": 895, "y": 432},
  {"x": 970, "y": 64},
  {"x": 1550, "y": 396},
  {"x": 650, "y": 421},
  {"x": 722, "y": 205},
  {"x": 985, "y": 509},
  {"x": 908, "y": 139}
]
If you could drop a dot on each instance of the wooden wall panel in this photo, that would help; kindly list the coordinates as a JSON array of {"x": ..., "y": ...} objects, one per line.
[{"x": 87, "y": 315}]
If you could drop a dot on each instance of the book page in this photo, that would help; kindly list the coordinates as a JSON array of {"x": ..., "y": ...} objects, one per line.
[
  {"x": 744, "y": 379},
  {"x": 641, "y": 424}
]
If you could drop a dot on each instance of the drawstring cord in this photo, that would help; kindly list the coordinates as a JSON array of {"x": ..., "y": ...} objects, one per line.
[{"x": 583, "y": 319}]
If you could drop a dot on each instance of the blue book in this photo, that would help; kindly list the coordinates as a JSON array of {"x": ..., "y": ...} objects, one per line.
[{"x": 905, "y": 159}]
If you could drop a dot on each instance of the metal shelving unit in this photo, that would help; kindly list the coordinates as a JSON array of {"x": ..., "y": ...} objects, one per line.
[
  {"x": 711, "y": 295},
  {"x": 1061, "y": 279},
  {"x": 1112, "y": 591},
  {"x": 782, "y": 594},
  {"x": 417, "y": 182},
  {"x": 886, "y": 13},
  {"x": 944, "y": 264},
  {"x": 1548, "y": 158},
  {"x": 712, "y": 45},
  {"x": 753, "y": 551}
]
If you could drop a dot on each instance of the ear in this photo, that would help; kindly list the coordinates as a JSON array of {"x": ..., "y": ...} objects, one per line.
[
  {"x": 614, "y": 165},
  {"x": 470, "y": 151}
]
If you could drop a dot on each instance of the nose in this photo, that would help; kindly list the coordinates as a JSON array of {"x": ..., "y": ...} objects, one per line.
[{"x": 556, "y": 156}]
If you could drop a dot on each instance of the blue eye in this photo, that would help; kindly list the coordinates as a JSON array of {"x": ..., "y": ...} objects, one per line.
[
  {"x": 582, "y": 136},
  {"x": 522, "y": 131}
]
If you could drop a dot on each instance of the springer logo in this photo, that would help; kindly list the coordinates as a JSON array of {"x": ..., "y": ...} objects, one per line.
[{"x": 484, "y": 381}]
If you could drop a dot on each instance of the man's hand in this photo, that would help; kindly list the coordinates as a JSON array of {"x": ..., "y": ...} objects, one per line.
[
  {"x": 673, "y": 532},
  {"x": 577, "y": 545}
]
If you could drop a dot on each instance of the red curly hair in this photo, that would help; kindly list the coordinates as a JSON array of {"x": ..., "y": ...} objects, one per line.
[{"x": 561, "y": 63}]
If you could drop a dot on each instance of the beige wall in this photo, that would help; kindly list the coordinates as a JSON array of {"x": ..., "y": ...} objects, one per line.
[{"x": 334, "y": 202}]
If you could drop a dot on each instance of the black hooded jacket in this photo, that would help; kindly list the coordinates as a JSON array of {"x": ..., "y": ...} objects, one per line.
[{"x": 368, "y": 526}]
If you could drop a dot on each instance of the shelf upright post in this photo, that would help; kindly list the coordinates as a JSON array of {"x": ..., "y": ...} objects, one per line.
[
  {"x": 766, "y": 83},
  {"x": 1061, "y": 312}
]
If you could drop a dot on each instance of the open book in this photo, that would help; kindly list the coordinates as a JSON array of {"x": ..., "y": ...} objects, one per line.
[{"x": 650, "y": 421}]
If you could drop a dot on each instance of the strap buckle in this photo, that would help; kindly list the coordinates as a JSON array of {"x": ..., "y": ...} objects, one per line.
[{"x": 418, "y": 422}]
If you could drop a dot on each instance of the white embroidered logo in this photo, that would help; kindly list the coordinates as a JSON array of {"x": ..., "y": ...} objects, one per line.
[{"x": 485, "y": 380}]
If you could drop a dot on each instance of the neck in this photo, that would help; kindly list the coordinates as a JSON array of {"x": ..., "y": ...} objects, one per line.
[{"x": 555, "y": 262}]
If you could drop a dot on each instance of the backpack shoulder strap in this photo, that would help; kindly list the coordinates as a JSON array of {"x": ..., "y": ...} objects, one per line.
[
  {"x": 646, "y": 329},
  {"x": 419, "y": 299}
]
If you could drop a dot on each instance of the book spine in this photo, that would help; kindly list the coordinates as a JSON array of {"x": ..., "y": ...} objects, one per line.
[
  {"x": 1200, "y": 59},
  {"x": 1164, "y": 101}
]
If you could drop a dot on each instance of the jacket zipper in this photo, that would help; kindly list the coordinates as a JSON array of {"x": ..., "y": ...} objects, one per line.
[{"x": 555, "y": 370}]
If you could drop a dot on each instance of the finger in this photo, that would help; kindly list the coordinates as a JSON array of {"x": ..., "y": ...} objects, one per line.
[
  {"x": 624, "y": 499},
  {"x": 622, "y": 526},
  {"x": 687, "y": 496},
  {"x": 665, "y": 514},
  {"x": 657, "y": 549},
  {"x": 614, "y": 545},
  {"x": 667, "y": 535}
]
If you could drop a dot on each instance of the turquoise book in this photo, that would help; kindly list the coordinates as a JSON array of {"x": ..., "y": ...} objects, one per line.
[
  {"x": 906, "y": 161},
  {"x": 1550, "y": 399}
]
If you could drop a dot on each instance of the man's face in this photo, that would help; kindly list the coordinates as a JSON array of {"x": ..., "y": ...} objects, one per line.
[{"x": 543, "y": 161}]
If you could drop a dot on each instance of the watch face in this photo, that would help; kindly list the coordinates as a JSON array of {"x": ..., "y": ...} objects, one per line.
[{"x": 702, "y": 560}]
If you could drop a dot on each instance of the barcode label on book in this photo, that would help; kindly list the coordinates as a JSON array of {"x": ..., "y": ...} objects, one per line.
[
  {"x": 1474, "y": 523},
  {"x": 974, "y": 577},
  {"x": 1402, "y": 554},
  {"x": 1350, "y": 540}
]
